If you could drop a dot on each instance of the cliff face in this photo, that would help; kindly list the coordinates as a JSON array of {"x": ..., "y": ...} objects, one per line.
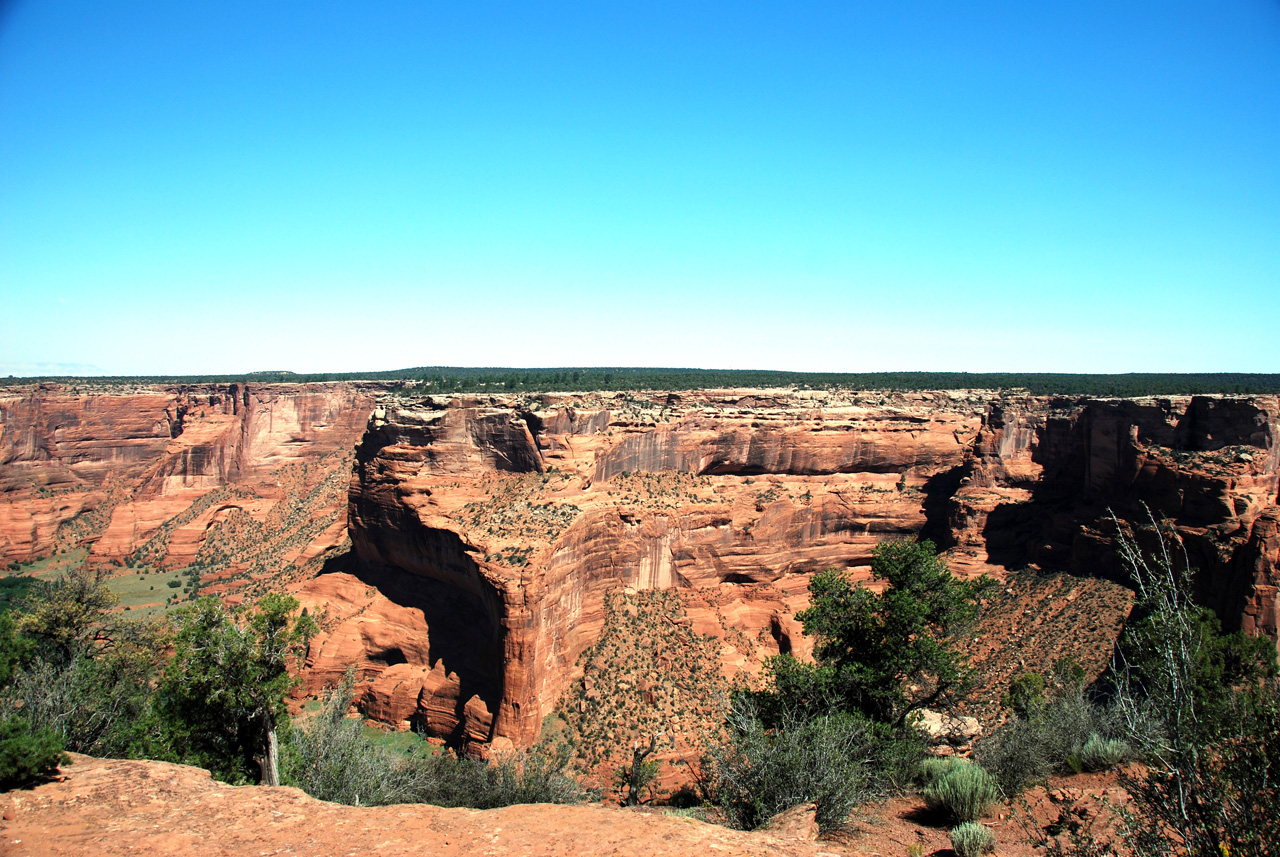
[
  {"x": 231, "y": 477},
  {"x": 490, "y": 530},
  {"x": 516, "y": 517},
  {"x": 1046, "y": 476}
]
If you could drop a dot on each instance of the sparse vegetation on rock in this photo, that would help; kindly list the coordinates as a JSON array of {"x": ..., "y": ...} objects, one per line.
[{"x": 648, "y": 677}]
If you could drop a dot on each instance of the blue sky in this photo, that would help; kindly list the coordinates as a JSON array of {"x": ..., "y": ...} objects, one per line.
[{"x": 227, "y": 187}]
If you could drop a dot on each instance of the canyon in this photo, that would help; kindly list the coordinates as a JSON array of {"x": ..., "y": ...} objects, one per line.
[
  {"x": 247, "y": 483},
  {"x": 609, "y": 564}
]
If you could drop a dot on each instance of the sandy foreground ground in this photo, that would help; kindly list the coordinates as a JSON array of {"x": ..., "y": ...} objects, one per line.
[
  {"x": 109, "y": 807},
  {"x": 113, "y": 807}
]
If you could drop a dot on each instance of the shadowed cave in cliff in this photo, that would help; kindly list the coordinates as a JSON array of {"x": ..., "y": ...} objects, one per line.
[{"x": 460, "y": 631}]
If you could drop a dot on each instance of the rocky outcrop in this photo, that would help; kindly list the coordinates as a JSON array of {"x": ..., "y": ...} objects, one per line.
[
  {"x": 518, "y": 515},
  {"x": 527, "y": 527}
]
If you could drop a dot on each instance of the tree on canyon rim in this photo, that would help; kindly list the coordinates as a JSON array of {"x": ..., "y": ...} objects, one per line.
[
  {"x": 225, "y": 686},
  {"x": 879, "y": 655}
]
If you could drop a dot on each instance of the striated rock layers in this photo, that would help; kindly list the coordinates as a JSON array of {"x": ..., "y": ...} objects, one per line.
[
  {"x": 227, "y": 476},
  {"x": 491, "y": 529}
]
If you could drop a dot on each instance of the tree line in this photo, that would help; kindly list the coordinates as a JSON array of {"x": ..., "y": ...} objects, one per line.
[{"x": 455, "y": 379}]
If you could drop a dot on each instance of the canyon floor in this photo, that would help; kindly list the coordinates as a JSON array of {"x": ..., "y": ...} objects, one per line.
[{"x": 111, "y": 807}]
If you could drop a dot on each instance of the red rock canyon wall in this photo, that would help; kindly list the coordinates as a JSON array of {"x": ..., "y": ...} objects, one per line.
[{"x": 518, "y": 515}]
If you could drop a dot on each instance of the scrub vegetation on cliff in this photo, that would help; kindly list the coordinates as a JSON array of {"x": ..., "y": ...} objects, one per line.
[{"x": 649, "y": 677}]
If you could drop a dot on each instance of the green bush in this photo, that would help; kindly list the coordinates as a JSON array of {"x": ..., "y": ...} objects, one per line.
[
  {"x": 27, "y": 752},
  {"x": 963, "y": 791},
  {"x": 331, "y": 758},
  {"x": 1018, "y": 754},
  {"x": 1026, "y": 694},
  {"x": 881, "y": 654},
  {"x": 932, "y": 769},
  {"x": 537, "y": 775},
  {"x": 1026, "y": 750},
  {"x": 79, "y": 670},
  {"x": 1099, "y": 754},
  {"x": 1211, "y": 787},
  {"x": 972, "y": 840},
  {"x": 835, "y": 761}
]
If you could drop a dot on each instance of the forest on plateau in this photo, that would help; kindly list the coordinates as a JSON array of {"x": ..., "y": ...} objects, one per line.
[{"x": 453, "y": 379}]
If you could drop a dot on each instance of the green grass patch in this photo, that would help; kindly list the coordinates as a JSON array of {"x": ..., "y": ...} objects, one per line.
[
  {"x": 52, "y": 566},
  {"x": 399, "y": 743},
  {"x": 146, "y": 593},
  {"x": 143, "y": 591}
]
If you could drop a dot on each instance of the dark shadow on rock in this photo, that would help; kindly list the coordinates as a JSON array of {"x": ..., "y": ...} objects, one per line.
[
  {"x": 461, "y": 631},
  {"x": 938, "y": 491},
  {"x": 1010, "y": 533}
]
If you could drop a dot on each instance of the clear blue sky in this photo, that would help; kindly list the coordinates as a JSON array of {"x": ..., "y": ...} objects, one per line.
[{"x": 227, "y": 187}]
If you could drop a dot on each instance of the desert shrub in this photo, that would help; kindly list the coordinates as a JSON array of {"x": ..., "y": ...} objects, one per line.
[
  {"x": 963, "y": 791},
  {"x": 898, "y": 758},
  {"x": 1202, "y": 709},
  {"x": 835, "y": 761},
  {"x": 972, "y": 840},
  {"x": 1098, "y": 753},
  {"x": 1026, "y": 749},
  {"x": 932, "y": 769},
  {"x": 1018, "y": 755},
  {"x": 1210, "y": 787},
  {"x": 538, "y": 775},
  {"x": 1026, "y": 694},
  {"x": 27, "y": 752},
  {"x": 1220, "y": 800},
  {"x": 331, "y": 758},
  {"x": 635, "y": 779},
  {"x": 80, "y": 671}
]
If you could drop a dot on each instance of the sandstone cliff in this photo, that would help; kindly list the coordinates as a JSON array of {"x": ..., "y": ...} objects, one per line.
[
  {"x": 491, "y": 529},
  {"x": 242, "y": 481}
]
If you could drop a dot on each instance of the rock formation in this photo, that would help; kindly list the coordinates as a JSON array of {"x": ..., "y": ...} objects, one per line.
[
  {"x": 489, "y": 530},
  {"x": 501, "y": 523},
  {"x": 241, "y": 480}
]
